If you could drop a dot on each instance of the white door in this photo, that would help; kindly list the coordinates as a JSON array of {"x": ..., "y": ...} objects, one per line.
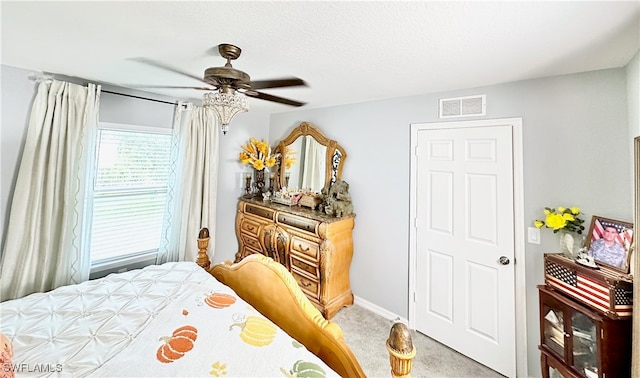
[{"x": 465, "y": 296}]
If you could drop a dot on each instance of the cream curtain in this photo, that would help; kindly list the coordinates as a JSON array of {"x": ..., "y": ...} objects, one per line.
[
  {"x": 42, "y": 246},
  {"x": 314, "y": 164},
  {"x": 196, "y": 177}
]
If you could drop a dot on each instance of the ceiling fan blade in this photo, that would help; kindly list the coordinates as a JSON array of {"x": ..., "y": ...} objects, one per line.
[
  {"x": 277, "y": 83},
  {"x": 268, "y": 97},
  {"x": 169, "y": 68},
  {"x": 175, "y": 87}
]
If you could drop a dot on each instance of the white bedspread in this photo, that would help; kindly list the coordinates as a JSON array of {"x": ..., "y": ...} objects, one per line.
[{"x": 118, "y": 326}]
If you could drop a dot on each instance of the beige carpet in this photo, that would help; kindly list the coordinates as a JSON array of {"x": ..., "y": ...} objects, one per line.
[{"x": 366, "y": 333}]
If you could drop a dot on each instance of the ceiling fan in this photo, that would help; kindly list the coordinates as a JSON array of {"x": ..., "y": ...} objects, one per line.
[{"x": 227, "y": 84}]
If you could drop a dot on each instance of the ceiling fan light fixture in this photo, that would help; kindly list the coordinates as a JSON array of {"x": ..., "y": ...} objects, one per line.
[
  {"x": 226, "y": 106},
  {"x": 227, "y": 87}
]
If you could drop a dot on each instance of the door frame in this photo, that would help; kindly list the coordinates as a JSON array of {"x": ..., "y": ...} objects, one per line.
[{"x": 518, "y": 223}]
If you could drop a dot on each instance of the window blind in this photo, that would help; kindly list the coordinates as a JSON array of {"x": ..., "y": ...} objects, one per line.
[{"x": 130, "y": 193}]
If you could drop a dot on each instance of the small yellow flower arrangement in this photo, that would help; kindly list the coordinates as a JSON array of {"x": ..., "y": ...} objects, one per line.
[
  {"x": 257, "y": 153},
  {"x": 562, "y": 219},
  {"x": 289, "y": 158}
]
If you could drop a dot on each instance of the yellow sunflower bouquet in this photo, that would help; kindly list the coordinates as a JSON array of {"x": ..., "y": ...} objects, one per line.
[
  {"x": 257, "y": 153},
  {"x": 562, "y": 218}
]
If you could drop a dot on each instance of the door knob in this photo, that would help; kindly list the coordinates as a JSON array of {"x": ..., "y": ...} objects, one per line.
[{"x": 504, "y": 260}]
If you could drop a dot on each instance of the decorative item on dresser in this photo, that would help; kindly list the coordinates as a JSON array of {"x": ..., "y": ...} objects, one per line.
[
  {"x": 312, "y": 201},
  {"x": 566, "y": 223},
  {"x": 337, "y": 200},
  {"x": 585, "y": 320},
  {"x": 293, "y": 228},
  {"x": 258, "y": 155},
  {"x": 604, "y": 289},
  {"x": 609, "y": 243}
]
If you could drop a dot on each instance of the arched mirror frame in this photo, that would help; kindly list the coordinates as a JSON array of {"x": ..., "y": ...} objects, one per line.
[{"x": 333, "y": 170}]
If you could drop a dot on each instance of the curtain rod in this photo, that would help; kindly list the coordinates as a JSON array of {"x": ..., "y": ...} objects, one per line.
[
  {"x": 142, "y": 98},
  {"x": 38, "y": 77}
]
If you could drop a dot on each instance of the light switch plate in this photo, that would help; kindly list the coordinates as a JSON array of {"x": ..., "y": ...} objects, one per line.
[{"x": 533, "y": 235}]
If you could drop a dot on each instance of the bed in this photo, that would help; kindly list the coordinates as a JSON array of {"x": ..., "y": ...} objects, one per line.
[{"x": 177, "y": 319}]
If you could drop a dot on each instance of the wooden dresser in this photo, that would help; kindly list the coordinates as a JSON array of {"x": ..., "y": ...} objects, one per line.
[{"x": 316, "y": 248}]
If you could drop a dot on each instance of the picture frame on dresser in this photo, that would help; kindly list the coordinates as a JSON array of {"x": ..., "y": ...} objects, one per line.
[{"x": 609, "y": 241}]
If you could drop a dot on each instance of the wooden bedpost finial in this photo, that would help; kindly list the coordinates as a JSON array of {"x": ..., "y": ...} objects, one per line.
[
  {"x": 401, "y": 350},
  {"x": 203, "y": 244}
]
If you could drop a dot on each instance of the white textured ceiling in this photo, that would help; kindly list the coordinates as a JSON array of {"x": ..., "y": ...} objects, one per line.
[{"x": 347, "y": 52}]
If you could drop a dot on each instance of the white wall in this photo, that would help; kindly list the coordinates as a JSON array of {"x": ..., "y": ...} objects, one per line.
[
  {"x": 127, "y": 110},
  {"x": 17, "y": 95},
  {"x": 576, "y": 153},
  {"x": 231, "y": 180},
  {"x": 633, "y": 94}
]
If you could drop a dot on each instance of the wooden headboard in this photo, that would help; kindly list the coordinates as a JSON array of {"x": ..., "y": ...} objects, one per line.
[{"x": 271, "y": 289}]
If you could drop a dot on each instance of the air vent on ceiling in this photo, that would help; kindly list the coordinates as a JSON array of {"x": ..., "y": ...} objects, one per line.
[{"x": 463, "y": 106}]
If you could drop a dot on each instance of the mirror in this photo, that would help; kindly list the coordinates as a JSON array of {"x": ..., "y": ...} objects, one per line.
[
  {"x": 318, "y": 160},
  {"x": 309, "y": 171}
]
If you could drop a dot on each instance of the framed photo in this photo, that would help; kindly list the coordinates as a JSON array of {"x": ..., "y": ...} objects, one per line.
[{"x": 609, "y": 242}]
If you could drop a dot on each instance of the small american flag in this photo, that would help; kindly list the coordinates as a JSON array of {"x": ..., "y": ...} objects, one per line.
[{"x": 588, "y": 290}]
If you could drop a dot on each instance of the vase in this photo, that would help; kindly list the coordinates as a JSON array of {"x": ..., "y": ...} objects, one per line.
[
  {"x": 259, "y": 176},
  {"x": 570, "y": 243}
]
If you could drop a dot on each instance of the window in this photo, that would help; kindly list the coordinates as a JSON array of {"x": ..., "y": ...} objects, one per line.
[{"x": 129, "y": 193}]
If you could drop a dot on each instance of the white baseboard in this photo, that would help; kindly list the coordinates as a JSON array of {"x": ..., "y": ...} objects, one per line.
[{"x": 378, "y": 310}]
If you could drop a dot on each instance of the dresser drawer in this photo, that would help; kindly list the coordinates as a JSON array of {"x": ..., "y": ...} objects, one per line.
[
  {"x": 251, "y": 241},
  {"x": 309, "y": 286},
  {"x": 305, "y": 224},
  {"x": 305, "y": 247},
  {"x": 247, "y": 251},
  {"x": 260, "y": 211},
  {"x": 249, "y": 227},
  {"x": 304, "y": 266}
]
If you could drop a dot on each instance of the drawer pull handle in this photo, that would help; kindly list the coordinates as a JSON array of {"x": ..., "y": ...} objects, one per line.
[
  {"x": 302, "y": 248},
  {"x": 305, "y": 284}
]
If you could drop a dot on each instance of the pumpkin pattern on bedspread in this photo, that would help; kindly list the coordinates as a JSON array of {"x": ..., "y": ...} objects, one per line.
[
  {"x": 256, "y": 331},
  {"x": 176, "y": 345},
  {"x": 220, "y": 300},
  {"x": 305, "y": 369}
]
